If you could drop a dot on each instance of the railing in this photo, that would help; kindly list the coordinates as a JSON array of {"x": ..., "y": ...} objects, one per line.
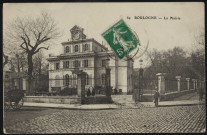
[
  {"x": 171, "y": 85},
  {"x": 183, "y": 85}
]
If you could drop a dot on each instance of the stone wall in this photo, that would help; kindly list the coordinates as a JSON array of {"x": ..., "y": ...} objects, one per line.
[
  {"x": 53, "y": 99},
  {"x": 166, "y": 96}
]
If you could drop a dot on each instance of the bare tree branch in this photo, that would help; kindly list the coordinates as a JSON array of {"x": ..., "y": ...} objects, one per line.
[
  {"x": 41, "y": 48},
  {"x": 23, "y": 47}
]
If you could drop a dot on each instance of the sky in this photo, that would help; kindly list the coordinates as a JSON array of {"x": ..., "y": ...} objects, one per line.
[{"x": 96, "y": 18}]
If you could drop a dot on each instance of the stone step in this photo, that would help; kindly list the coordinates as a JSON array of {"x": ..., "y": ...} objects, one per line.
[{"x": 98, "y": 100}]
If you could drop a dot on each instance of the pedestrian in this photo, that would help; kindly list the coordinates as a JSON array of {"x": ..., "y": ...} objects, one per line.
[
  {"x": 200, "y": 94},
  {"x": 93, "y": 92},
  {"x": 91, "y": 89},
  {"x": 115, "y": 91},
  {"x": 156, "y": 97},
  {"x": 88, "y": 92}
]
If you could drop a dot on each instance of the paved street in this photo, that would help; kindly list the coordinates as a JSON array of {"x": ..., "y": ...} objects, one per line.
[{"x": 170, "y": 119}]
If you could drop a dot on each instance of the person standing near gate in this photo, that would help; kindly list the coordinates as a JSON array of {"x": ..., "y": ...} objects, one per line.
[
  {"x": 156, "y": 97},
  {"x": 93, "y": 91},
  {"x": 200, "y": 90}
]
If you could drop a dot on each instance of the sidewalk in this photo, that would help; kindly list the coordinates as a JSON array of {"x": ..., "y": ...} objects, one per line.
[
  {"x": 174, "y": 103},
  {"x": 114, "y": 106},
  {"x": 72, "y": 106}
]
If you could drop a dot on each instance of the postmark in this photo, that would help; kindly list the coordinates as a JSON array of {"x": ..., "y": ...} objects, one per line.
[{"x": 121, "y": 39}]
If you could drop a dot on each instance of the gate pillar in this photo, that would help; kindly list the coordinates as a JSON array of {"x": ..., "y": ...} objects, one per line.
[
  {"x": 161, "y": 82},
  {"x": 178, "y": 79},
  {"x": 81, "y": 77},
  {"x": 194, "y": 83},
  {"x": 188, "y": 83},
  {"x": 108, "y": 81}
]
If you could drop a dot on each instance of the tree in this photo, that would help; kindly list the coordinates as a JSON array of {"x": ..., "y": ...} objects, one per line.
[
  {"x": 32, "y": 35},
  {"x": 39, "y": 64},
  {"x": 18, "y": 62},
  {"x": 198, "y": 55},
  {"x": 173, "y": 62}
]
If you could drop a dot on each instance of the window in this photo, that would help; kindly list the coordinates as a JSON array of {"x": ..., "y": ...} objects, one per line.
[
  {"x": 67, "y": 50},
  {"x": 103, "y": 63},
  {"x": 85, "y": 63},
  {"x": 66, "y": 64},
  {"x": 76, "y": 63},
  {"x": 76, "y": 48},
  {"x": 67, "y": 80},
  {"x": 57, "y": 66},
  {"x": 85, "y": 47}
]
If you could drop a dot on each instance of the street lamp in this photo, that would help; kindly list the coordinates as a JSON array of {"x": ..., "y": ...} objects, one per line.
[
  {"x": 140, "y": 79},
  {"x": 107, "y": 79}
]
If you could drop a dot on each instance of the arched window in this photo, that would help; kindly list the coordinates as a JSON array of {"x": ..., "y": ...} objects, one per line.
[
  {"x": 57, "y": 81},
  {"x": 66, "y": 79},
  {"x": 86, "y": 47},
  {"x": 67, "y": 49},
  {"x": 76, "y": 48},
  {"x": 103, "y": 79}
]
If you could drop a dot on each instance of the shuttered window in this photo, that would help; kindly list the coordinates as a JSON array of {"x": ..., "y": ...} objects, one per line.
[
  {"x": 85, "y": 63},
  {"x": 76, "y": 63},
  {"x": 66, "y": 64}
]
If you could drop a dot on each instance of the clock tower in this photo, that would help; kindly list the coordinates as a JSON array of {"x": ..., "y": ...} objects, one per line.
[{"x": 77, "y": 33}]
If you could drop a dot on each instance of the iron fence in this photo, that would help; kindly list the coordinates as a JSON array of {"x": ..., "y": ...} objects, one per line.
[
  {"x": 183, "y": 84},
  {"x": 191, "y": 84},
  {"x": 171, "y": 85},
  {"x": 150, "y": 86}
]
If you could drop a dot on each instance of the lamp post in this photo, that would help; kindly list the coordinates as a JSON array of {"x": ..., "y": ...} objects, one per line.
[
  {"x": 107, "y": 78},
  {"x": 140, "y": 80}
]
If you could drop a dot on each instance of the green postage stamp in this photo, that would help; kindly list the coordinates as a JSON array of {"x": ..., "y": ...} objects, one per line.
[{"x": 121, "y": 39}]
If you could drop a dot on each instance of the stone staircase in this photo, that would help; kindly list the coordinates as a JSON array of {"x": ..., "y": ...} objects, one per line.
[{"x": 98, "y": 100}]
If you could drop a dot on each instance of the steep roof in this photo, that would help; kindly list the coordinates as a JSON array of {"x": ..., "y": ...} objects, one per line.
[{"x": 76, "y": 27}]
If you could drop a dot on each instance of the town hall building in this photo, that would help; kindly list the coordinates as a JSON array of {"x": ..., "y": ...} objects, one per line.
[{"x": 90, "y": 56}]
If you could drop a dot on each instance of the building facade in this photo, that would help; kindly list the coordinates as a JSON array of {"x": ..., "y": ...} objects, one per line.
[{"x": 90, "y": 56}]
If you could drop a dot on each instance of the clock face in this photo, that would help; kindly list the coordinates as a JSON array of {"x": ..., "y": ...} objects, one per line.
[{"x": 76, "y": 35}]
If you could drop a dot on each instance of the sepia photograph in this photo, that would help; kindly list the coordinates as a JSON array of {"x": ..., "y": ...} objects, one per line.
[{"x": 104, "y": 67}]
